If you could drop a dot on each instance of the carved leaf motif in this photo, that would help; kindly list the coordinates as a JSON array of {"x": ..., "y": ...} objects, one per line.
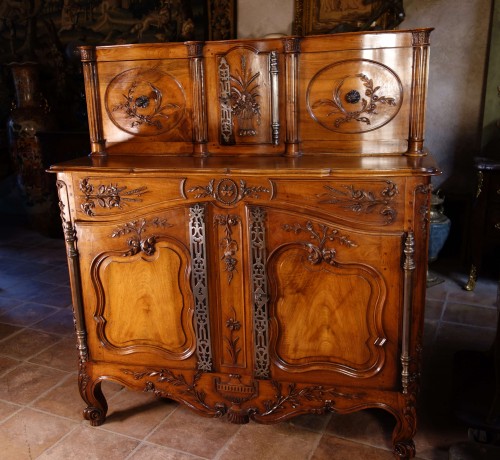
[
  {"x": 368, "y": 106},
  {"x": 359, "y": 201},
  {"x": 107, "y": 196}
]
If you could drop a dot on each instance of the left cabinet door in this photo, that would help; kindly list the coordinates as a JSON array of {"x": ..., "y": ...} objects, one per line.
[{"x": 136, "y": 289}]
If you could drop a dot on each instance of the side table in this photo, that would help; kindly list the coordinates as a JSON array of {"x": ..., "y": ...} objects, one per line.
[{"x": 485, "y": 217}]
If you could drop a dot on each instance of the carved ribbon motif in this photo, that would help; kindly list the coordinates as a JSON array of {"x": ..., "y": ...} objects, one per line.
[
  {"x": 107, "y": 196},
  {"x": 228, "y": 244},
  {"x": 136, "y": 242},
  {"x": 320, "y": 252}
]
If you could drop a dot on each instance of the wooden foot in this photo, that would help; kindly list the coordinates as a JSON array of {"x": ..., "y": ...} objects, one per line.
[
  {"x": 97, "y": 407},
  {"x": 405, "y": 429}
]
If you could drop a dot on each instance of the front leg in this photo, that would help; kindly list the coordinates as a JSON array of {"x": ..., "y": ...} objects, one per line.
[
  {"x": 97, "y": 407},
  {"x": 406, "y": 426}
]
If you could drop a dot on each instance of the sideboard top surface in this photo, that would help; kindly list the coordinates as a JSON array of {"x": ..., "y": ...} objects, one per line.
[{"x": 317, "y": 165}]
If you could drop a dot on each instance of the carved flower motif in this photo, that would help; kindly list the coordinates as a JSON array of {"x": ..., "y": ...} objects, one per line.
[
  {"x": 142, "y": 102},
  {"x": 233, "y": 324}
]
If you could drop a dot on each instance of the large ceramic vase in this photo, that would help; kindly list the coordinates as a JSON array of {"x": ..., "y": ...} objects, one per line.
[
  {"x": 440, "y": 226},
  {"x": 30, "y": 115}
]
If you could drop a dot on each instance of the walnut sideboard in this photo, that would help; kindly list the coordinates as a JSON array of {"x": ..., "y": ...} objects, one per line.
[{"x": 248, "y": 235}]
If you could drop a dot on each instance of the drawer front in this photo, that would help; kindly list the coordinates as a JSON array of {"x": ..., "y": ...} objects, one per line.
[
  {"x": 378, "y": 202},
  {"x": 106, "y": 196}
]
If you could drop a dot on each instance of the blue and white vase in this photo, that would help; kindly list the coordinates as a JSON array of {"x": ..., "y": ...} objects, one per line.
[{"x": 439, "y": 230}]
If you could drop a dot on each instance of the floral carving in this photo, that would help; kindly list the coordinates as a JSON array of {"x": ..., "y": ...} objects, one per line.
[
  {"x": 228, "y": 245},
  {"x": 227, "y": 191},
  {"x": 359, "y": 201},
  {"x": 107, "y": 196},
  {"x": 320, "y": 252},
  {"x": 158, "y": 110},
  {"x": 232, "y": 342},
  {"x": 180, "y": 382},
  {"x": 244, "y": 96},
  {"x": 136, "y": 242},
  {"x": 294, "y": 397},
  {"x": 368, "y": 104}
]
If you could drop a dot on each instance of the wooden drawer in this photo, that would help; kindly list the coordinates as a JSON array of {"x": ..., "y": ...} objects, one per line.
[
  {"x": 105, "y": 196},
  {"x": 378, "y": 202}
]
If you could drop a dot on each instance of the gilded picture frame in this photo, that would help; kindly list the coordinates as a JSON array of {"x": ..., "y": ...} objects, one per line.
[{"x": 314, "y": 17}]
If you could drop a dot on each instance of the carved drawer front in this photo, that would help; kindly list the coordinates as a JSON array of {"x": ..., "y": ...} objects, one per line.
[
  {"x": 138, "y": 296},
  {"x": 334, "y": 304},
  {"x": 375, "y": 203},
  {"x": 228, "y": 190},
  {"x": 104, "y": 196}
]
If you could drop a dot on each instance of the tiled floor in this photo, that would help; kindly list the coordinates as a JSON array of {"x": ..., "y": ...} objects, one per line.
[{"x": 40, "y": 408}]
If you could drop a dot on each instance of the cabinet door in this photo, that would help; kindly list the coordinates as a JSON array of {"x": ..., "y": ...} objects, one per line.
[
  {"x": 334, "y": 300},
  {"x": 136, "y": 288}
]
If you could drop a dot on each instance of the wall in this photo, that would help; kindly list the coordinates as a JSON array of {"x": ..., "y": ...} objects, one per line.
[{"x": 457, "y": 67}]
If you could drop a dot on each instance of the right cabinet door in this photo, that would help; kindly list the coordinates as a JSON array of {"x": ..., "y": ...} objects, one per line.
[{"x": 335, "y": 298}]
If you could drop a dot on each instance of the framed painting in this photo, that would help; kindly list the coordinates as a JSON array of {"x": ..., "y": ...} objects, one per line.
[{"x": 333, "y": 16}]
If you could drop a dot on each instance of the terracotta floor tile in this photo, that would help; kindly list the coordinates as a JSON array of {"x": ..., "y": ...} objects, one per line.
[
  {"x": 60, "y": 323},
  {"x": 90, "y": 443},
  {"x": 27, "y": 382},
  {"x": 311, "y": 422},
  {"x": 470, "y": 315},
  {"x": 136, "y": 414},
  {"x": 29, "y": 433},
  {"x": 62, "y": 355},
  {"x": 7, "y": 303},
  {"x": 153, "y": 452},
  {"x": 453, "y": 337},
  {"x": 63, "y": 400},
  {"x": 6, "y": 410},
  {"x": 7, "y": 363},
  {"x": 27, "y": 314},
  {"x": 483, "y": 294},
  {"x": 373, "y": 427},
  {"x": 332, "y": 448},
  {"x": 189, "y": 432},
  {"x": 27, "y": 343},
  {"x": 7, "y": 330},
  {"x": 270, "y": 442},
  {"x": 58, "y": 275},
  {"x": 59, "y": 296},
  {"x": 434, "y": 309}
]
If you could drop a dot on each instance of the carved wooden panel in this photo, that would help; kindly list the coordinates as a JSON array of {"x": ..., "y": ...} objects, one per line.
[
  {"x": 141, "y": 283},
  {"x": 355, "y": 101},
  {"x": 244, "y": 91},
  {"x": 98, "y": 197},
  {"x": 147, "y": 101},
  {"x": 329, "y": 286},
  {"x": 376, "y": 203}
]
